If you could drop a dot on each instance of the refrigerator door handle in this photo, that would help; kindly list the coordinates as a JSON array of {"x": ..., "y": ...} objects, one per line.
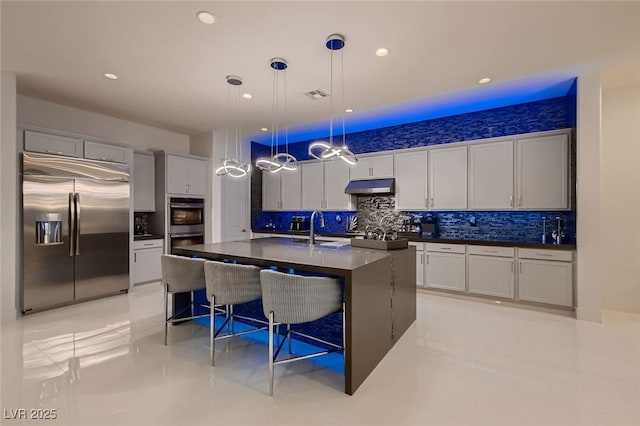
[
  {"x": 77, "y": 208},
  {"x": 72, "y": 223}
]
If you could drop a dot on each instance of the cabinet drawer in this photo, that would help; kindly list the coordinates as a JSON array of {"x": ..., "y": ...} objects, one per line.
[
  {"x": 418, "y": 246},
  {"x": 558, "y": 255},
  {"x": 446, "y": 248},
  {"x": 105, "y": 152},
  {"x": 492, "y": 251},
  {"x": 146, "y": 244},
  {"x": 52, "y": 144}
]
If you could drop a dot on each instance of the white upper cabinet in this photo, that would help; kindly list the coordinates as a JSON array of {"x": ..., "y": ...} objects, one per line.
[
  {"x": 186, "y": 176},
  {"x": 144, "y": 192},
  {"x": 336, "y": 178},
  {"x": 291, "y": 189},
  {"x": 312, "y": 186},
  {"x": 411, "y": 180},
  {"x": 378, "y": 166},
  {"x": 448, "y": 178},
  {"x": 491, "y": 175},
  {"x": 270, "y": 191},
  {"x": 106, "y": 152},
  {"x": 52, "y": 144},
  {"x": 282, "y": 190},
  {"x": 542, "y": 172}
]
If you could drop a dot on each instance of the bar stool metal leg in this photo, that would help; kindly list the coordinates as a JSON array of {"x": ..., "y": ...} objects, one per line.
[
  {"x": 166, "y": 311},
  {"x": 271, "y": 353},
  {"x": 212, "y": 319}
]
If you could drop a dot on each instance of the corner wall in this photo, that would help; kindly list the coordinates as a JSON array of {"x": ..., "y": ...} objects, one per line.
[
  {"x": 620, "y": 180},
  {"x": 8, "y": 200}
]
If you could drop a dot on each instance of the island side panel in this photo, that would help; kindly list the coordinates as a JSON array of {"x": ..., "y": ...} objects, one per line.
[
  {"x": 368, "y": 304},
  {"x": 404, "y": 291}
]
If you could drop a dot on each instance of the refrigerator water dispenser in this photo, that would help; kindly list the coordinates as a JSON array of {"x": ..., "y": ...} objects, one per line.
[{"x": 48, "y": 229}]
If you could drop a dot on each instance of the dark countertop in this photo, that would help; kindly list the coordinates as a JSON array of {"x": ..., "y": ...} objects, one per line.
[
  {"x": 417, "y": 239},
  {"x": 289, "y": 252},
  {"x": 147, "y": 237}
]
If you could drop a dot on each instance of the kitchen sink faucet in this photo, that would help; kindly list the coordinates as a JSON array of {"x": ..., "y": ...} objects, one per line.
[{"x": 312, "y": 236}]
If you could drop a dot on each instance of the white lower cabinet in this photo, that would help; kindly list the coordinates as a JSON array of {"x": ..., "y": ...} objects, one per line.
[
  {"x": 491, "y": 276},
  {"x": 446, "y": 266},
  {"x": 146, "y": 261},
  {"x": 546, "y": 281},
  {"x": 420, "y": 263}
]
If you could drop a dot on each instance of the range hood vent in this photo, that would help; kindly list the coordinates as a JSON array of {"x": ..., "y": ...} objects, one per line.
[{"x": 371, "y": 186}]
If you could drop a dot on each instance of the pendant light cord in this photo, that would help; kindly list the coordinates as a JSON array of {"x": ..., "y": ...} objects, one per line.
[
  {"x": 344, "y": 136},
  {"x": 226, "y": 139},
  {"x": 331, "y": 102}
]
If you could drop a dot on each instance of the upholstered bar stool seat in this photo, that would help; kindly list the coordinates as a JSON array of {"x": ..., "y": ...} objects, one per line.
[
  {"x": 295, "y": 299},
  {"x": 181, "y": 275},
  {"x": 230, "y": 284}
]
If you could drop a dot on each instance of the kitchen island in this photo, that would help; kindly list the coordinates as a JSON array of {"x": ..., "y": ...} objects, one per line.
[{"x": 380, "y": 294}]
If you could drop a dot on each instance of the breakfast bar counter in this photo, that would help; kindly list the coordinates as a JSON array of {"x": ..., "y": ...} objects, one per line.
[{"x": 380, "y": 295}]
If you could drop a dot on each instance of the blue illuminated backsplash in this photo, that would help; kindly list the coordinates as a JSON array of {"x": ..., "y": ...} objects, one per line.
[{"x": 511, "y": 226}]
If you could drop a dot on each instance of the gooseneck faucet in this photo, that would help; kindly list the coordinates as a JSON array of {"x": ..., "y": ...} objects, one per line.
[{"x": 312, "y": 236}]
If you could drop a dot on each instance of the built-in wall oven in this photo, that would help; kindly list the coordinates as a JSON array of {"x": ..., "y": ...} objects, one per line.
[{"x": 186, "y": 222}]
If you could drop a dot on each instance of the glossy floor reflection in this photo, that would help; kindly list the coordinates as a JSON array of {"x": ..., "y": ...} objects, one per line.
[{"x": 462, "y": 363}]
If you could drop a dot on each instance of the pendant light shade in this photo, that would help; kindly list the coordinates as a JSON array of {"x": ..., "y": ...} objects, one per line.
[
  {"x": 278, "y": 160},
  {"x": 323, "y": 150},
  {"x": 233, "y": 167}
]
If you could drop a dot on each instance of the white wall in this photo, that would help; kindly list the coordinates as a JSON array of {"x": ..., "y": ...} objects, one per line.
[
  {"x": 620, "y": 197},
  {"x": 8, "y": 198},
  {"x": 41, "y": 113},
  {"x": 588, "y": 198}
]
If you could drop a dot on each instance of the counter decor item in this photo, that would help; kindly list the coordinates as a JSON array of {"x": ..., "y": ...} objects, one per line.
[{"x": 352, "y": 224}]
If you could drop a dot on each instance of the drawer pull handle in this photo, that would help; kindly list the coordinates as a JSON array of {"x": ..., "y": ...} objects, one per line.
[
  {"x": 491, "y": 251},
  {"x": 147, "y": 244},
  {"x": 445, "y": 248},
  {"x": 544, "y": 255}
]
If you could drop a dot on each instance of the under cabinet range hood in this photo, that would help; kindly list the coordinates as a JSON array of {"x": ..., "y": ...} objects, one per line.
[{"x": 371, "y": 186}]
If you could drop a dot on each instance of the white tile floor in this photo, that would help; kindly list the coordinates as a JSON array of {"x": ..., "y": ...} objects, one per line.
[{"x": 462, "y": 363}]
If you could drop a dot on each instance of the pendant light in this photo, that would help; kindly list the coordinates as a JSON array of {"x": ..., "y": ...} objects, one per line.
[
  {"x": 233, "y": 167},
  {"x": 322, "y": 150},
  {"x": 278, "y": 160}
]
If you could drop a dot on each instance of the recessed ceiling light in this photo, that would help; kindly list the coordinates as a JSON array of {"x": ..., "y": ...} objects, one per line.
[
  {"x": 206, "y": 17},
  {"x": 382, "y": 51},
  {"x": 348, "y": 110},
  {"x": 264, "y": 129},
  {"x": 484, "y": 80},
  {"x": 110, "y": 76},
  {"x": 247, "y": 95}
]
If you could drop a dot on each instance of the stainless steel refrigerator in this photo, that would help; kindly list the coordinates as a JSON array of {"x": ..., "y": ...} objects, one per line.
[{"x": 75, "y": 215}]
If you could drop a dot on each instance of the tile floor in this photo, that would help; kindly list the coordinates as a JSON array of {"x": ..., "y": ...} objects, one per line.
[{"x": 462, "y": 363}]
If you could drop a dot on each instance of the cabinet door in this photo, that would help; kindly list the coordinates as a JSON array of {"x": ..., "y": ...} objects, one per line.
[
  {"x": 411, "y": 180},
  {"x": 144, "y": 193},
  {"x": 491, "y": 276},
  {"x": 546, "y": 282},
  {"x": 270, "y": 191},
  {"x": 446, "y": 271},
  {"x": 312, "y": 186},
  {"x": 291, "y": 186},
  {"x": 106, "y": 152},
  {"x": 52, "y": 144},
  {"x": 420, "y": 266},
  {"x": 197, "y": 176},
  {"x": 361, "y": 170},
  {"x": 336, "y": 179},
  {"x": 543, "y": 172},
  {"x": 177, "y": 169},
  {"x": 491, "y": 175},
  {"x": 147, "y": 266},
  {"x": 448, "y": 178},
  {"x": 382, "y": 166}
]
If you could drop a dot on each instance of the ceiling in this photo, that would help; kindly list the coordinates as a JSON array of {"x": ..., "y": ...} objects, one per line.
[{"x": 172, "y": 67}]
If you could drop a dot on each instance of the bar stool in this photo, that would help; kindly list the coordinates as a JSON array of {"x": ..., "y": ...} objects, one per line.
[
  {"x": 230, "y": 284},
  {"x": 295, "y": 299},
  {"x": 181, "y": 275}
]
